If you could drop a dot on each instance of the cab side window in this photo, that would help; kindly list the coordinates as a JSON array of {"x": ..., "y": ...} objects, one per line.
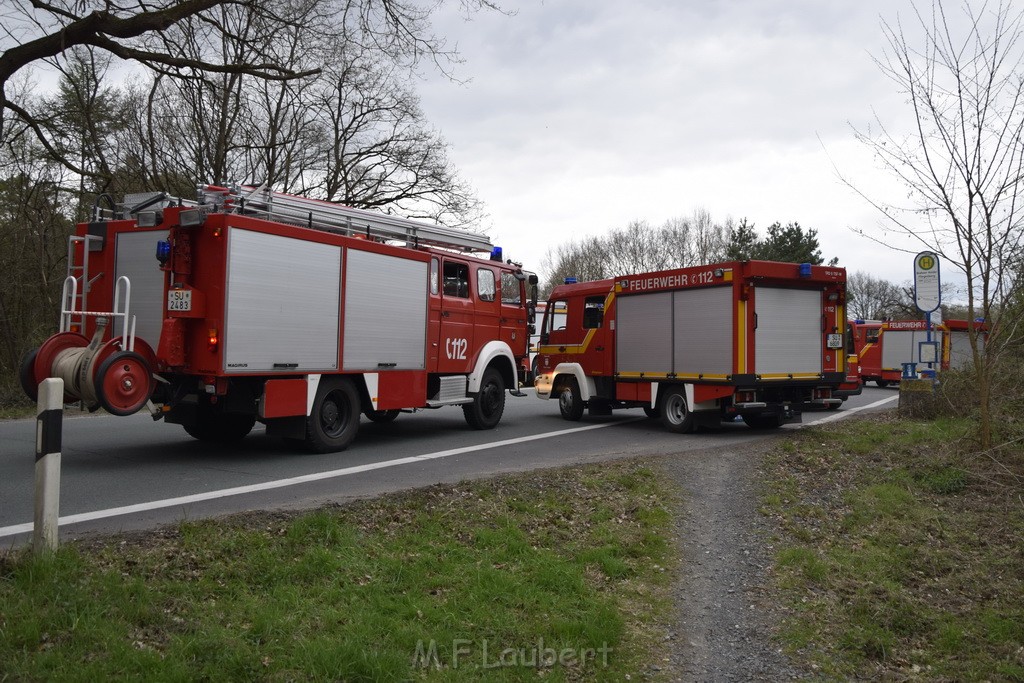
[
  {"x": 456, "y": 279},
  {"x": 485, "y": 284},
  {"x": 593, "y": 312},
  {"x": 510, "y": 290},
  {"x": 554, "y": 318}
]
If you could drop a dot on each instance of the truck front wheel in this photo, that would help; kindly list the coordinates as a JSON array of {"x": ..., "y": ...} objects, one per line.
[
  {"x": 381, "y": 415},
  {"x": 335, "y": 418},
  {"x": 675, "y": 415},
  {"x": 570, "y": 403},
  {"x": 489, "y": 403}
]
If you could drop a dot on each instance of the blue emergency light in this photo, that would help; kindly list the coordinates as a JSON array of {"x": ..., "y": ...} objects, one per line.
[
  {"x": 570, "y": 280},
  {"x": 805, "y": 270},
  {"x": 496, "y": 254},
  {"x": 163, "y": 251}
]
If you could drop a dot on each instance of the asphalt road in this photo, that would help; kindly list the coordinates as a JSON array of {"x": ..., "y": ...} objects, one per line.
[{"x": 131, "y": 473}]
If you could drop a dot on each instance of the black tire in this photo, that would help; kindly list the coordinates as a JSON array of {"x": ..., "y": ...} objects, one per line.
[
  {"x": 570, "y": 402},
  {"x": 27, "y": 376},
  {"x": 881, "y": 383},
  {"x": 489, "y": 403},
  {"x": 650, "y": 412},
  {"x": 381, "y": 416},
  {"x": 535, "y": 371},
  {"x": 215, "y": 426},
  {"x": 675, "y": 414},
  {"x": 335, "y": 418},
  {"x": 763, "y": 421}
]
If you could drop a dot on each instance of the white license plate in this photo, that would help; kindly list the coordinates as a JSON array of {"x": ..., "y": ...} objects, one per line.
[
  {"x": 179, "y": 300},
  {"x": 835, "y": 341}
]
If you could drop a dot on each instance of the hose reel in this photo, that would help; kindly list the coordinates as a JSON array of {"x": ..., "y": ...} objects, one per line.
[{"x": 100, "y": 374}]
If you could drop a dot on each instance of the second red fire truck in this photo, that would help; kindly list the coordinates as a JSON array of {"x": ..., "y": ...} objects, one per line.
[{"x": 755, "y": 339}]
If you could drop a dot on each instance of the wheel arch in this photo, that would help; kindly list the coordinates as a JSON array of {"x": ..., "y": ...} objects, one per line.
[
  {"x": 358, "y": 381},
  {"x": 497, "y": 355},
  {"x": 562, "y": 371}
]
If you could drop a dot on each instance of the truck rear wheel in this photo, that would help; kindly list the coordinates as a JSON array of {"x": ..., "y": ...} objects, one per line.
[
  {"x": 214, "y": 425},
  {"x": 881, "y": 383},
  {"x": 570, "y": 402},
  {"x": 489, "y": 403},
  {"x": 675, "y": 415},
  {"x": 335, "y": 418}
]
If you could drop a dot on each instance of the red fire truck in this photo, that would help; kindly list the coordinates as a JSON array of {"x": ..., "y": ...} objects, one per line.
[
  {"x": 883, "y": 347},
  {"x": 757, "y": 339},
  {"x": 249, "y": 305},
  {"x": 960, "y": 353}
]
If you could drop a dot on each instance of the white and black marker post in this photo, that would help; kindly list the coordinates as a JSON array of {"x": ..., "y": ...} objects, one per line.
[{"x": 49, "y": 426}]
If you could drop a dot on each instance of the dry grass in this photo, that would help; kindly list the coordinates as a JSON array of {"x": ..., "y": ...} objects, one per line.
[{"x": 901, "y": 554}]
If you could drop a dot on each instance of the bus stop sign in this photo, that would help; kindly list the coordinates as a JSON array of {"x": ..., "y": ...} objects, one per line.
[{"x": 927, "y": 292}]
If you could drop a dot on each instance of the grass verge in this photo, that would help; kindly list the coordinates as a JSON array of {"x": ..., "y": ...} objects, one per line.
[
  {"x": 900, "y": 557},
  {"x": 558, "y": 573}
]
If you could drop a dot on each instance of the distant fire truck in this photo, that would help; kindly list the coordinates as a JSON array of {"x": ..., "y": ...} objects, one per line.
[
  {"x": 250, "y": 305},
  {"x": 757, "y": 339},
  {"x": 960, "y": 353},
  {"x": 883, "y": 347}
]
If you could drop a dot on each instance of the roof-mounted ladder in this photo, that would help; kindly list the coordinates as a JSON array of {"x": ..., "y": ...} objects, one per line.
[{"x": 321, "y": 215}]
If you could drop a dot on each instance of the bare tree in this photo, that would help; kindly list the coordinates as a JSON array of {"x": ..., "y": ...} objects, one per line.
[
  {"x": 156, "y": 34},
  {"x": 639, "y": 247},
  {"x": 873, "y": 298},
  {"x": 40, "y": 31},
  {"x": 33, "y": 245},
  {"x": 963, "y": 162},
  {"x": 374, "y": 147}
]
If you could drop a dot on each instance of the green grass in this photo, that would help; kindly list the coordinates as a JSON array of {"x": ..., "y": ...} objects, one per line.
[
  {"x": 900, "y": 554},
  {"x": 555, "y": 573}
]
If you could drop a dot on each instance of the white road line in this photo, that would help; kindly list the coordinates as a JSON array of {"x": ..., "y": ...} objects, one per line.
[
  {"x": 333, "y": 474},
  {"x": 304, "y": 479},
  {"x": 848, "y": 413}
]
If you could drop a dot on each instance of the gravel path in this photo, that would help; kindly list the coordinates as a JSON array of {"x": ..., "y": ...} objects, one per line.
[{"x": 724, "y": 617}]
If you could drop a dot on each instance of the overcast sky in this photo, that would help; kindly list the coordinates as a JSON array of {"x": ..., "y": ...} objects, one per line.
[{"x": 582, "y": 115}]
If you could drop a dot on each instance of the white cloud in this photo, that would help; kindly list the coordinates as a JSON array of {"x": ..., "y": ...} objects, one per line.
[{"x": 582, "y": 115}]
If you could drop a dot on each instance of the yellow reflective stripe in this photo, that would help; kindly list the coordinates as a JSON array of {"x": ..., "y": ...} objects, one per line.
[
  {"x": 741, "y": 333},
  {"x": 704, "y": 377},
  {"x": 841, "y": 360}
]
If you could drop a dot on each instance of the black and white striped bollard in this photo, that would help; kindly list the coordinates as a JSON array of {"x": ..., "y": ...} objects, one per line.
[{"x": 49, "y": 426}]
